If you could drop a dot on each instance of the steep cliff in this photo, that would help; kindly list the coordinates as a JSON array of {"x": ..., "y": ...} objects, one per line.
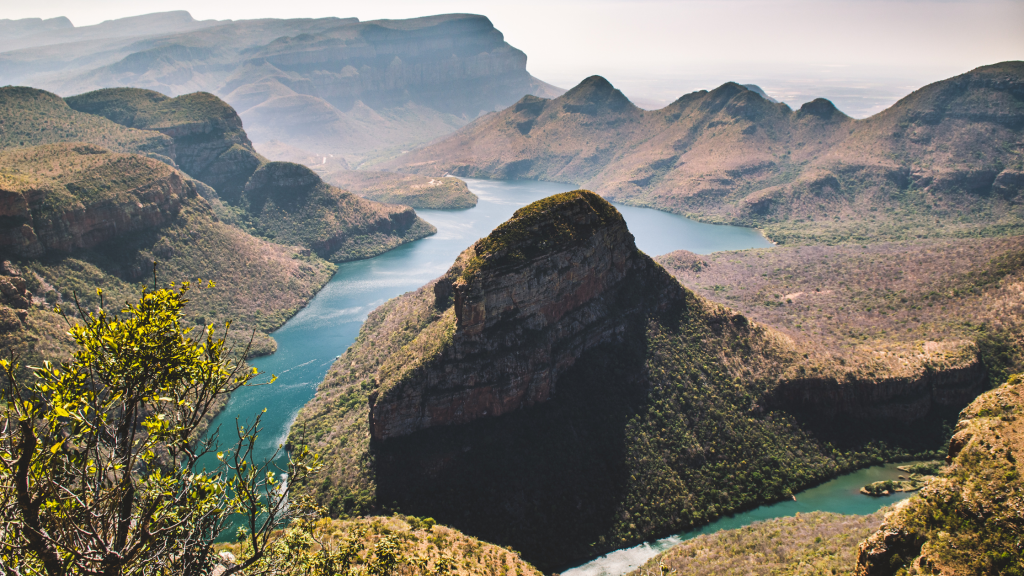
[
  {"x": 202, "y": 136},
  {"x": 556, "y": 281},
  {"x": 209, "y": 142},
  {"x": 292, "y": 205},
  {"x": 943, "y": 162},
  {"x": 559, "y": 392},
  {"x": 76, "y": 218},
  {"x": 59, "y": 198},
  {"x": 970, "y": 520}
]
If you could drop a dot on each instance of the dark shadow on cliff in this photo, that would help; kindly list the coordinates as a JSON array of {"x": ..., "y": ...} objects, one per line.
[{"x": 545, "y": 481}]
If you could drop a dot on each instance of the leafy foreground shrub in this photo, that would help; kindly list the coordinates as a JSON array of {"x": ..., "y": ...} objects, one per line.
[{"x": 98, "y": 454}]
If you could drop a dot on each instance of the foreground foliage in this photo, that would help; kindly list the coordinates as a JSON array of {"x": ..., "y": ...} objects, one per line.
[{"x": 98, "y": 454}]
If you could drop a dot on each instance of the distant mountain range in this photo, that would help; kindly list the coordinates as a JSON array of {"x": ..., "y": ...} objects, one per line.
[
  {"x": 947, "y": 160},
  {"x": 328, "y": 85}
]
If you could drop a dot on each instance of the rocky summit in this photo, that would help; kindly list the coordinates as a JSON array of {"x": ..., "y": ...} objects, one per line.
[{"x": 523, "y": 305}]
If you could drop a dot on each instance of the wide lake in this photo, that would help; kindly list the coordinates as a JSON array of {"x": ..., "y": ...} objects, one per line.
[{"x": 310, "y": 342}]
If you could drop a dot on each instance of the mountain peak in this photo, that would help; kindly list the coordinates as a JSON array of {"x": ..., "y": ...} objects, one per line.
[
  {"x": 820, "y": 108},
  {"x": 593, "y": 95}
]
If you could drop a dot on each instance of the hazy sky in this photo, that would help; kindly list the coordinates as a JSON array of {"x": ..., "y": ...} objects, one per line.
[{"x": 659, "y": 49}]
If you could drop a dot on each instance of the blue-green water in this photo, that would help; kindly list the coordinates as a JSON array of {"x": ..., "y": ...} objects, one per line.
[
  {"x": 841, "y": 495},
  {"x": 309, "y": 343}
]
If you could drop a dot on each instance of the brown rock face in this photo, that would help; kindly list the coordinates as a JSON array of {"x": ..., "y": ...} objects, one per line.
[
  {"x": 546, "y": 286},
  {"x": 897, "y": 398},
  {"x": 58, "y": 215}
]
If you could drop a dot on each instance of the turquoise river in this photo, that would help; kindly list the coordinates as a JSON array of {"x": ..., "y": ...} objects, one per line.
[{"x": 311, "y": 340}]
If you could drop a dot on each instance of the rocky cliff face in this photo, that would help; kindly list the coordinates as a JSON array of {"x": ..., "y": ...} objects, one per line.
[
  {"x": 888, "y": 398},
  {"x": 78, "y": 206},
  {"x": 543, "y": 289}
]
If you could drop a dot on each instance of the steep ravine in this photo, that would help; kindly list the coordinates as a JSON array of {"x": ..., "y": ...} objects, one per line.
[{"x": 559, "y": 392}]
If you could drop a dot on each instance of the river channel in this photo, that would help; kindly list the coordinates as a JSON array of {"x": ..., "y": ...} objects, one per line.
[{"x": 311, "y": 340}]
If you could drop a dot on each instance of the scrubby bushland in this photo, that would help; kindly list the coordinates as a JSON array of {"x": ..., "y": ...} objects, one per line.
[
  {"x": 31, "y": 117},
  {"x": 876, "y": 307},
  {"x": 388, "y": 545},
  {"x": 811, "y": 544}
]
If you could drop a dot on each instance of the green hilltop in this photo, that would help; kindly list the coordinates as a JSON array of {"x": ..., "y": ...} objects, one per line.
[{"x": 29, "y": 117}]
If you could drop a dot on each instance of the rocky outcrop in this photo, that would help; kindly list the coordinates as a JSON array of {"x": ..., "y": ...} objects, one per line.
[
  {"x": 15, "y": 299},
  {"x": 891, "y": 398},
  {"x": 81, "y": 209},
  {"x": 969, "y": 520},
  {"x": 527, "y": 301}
]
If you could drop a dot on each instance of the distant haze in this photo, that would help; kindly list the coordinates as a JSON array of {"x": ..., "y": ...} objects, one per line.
[{"x": 863, "y": 55}]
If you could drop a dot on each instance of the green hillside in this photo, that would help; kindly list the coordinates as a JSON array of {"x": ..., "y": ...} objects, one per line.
[
  {"x": 290, "y": 204},
  {"x": 29, "y": 117},
  {"x": 210, "y": 143}
]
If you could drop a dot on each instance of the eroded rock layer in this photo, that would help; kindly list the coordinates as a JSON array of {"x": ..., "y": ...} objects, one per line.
[{"x": 552, "y": 284}]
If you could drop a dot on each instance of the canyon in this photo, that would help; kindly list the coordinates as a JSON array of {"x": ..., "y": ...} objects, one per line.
[{"x": 556, "y": 377}]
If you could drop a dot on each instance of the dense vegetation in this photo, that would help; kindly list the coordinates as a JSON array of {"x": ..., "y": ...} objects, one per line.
[
  {"x": 99, "y": 454},
  {"x": 444, "y": 193},
  {"x": 968, "y": 521},
  {"x": 876, "y": 303},
  {"x": 805, "y": 544}
]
